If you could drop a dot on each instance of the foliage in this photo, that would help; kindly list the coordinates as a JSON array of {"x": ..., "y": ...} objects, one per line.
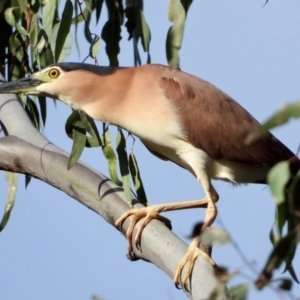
[{"x": 35, "y": 34}]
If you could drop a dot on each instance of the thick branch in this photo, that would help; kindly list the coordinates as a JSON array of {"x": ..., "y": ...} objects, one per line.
[{"x": 45, "y": 161}]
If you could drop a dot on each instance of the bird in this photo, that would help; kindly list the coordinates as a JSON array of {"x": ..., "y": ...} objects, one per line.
[{"x": 178, "y": 117}]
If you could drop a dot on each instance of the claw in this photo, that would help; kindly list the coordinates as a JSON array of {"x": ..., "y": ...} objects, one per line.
[
  {"x": 190, "y": 258},
  {"x": 148, "y": 213}
]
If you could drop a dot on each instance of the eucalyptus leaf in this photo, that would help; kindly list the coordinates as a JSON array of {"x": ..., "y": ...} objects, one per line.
[
  {"x": 277, "y": 178},
  {"x": 63, "y": 30},
  {"x": 79, "y": 139},
  {"x": 111, "y": 158},
  {"x": 282, "y": 116},
  {"x": 239, "y": 292},
  {"x": 137, "y": 179},
  {"x": 12, "y": 19},
  {"x": 177, "y": 12},
  {"x": 48, "y": 13},
  {"x": 124, "y": 165},
  {"x": 95, "y": 47},
  {"x": 215, "y": 236},
  {"x": 12, "y": 181}
]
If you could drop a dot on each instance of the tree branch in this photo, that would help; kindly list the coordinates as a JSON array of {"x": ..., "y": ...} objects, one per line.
[{"x": 43, "y": 160}]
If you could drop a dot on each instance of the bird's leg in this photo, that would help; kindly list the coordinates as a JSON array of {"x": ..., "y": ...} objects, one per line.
[
  {"x": 194, "y": 251},
  {"x": 152, "y": 212}
]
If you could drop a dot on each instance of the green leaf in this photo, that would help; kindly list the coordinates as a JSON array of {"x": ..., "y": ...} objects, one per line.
[
  {"x": 111, "y": 158},
  {"x": 177, "y": 12},
  {"x": 239, "y": 292},
  {"x": 111, "y": 34},
  {"x": 33, "y": 112},
  {"x": 99, "y": 4},
  {"x": 79, "y": 140},
  {"x": 64, "y": 29},
  {"x": 89, "y": 5},
  {"x": 81, "y": 17},
  {"x": 27, "y": 180},
  {"x": 218, "y": 292},
  {"x": 48, "y": 13},
  {"x": 11, "y": 16},
  {"x": 46, "y": 57},
  {"x": 285, "y": 284},
  {"x": 95, "y": 47},
  {"x": 43, "y": 108},
  {"x": 215, "y": 236},
  {"x": 12, "y": 181},
  {"x": 276, "y": 258},
  {"x": 2, "y": 3},
  {"x": 281, "y": 117},
  {"x": 123, "y": 164},
  {"x": 73, "y": 117},
  {"x": 66, "y": 50},
  {"x": 277, "y": 178},
  {"x": 137, "y": 180},
  {"x": 143, "y": 31},
  {"x": 89, "y": 125}
]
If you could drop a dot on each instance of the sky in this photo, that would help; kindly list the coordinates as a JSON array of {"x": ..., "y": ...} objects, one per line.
[{"x": 55, "y": 248}]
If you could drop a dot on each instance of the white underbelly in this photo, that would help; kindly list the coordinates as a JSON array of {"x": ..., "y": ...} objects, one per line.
[{"x": 197, "y": 161}]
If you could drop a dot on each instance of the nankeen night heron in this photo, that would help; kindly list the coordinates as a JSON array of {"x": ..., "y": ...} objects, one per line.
[{"x": 178, "y": 117}]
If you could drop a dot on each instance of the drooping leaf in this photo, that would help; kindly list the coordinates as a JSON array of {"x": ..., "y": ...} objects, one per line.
[
  {"x": 79, "y": 140},
  {"x": 215, "y": 236},
  {"x": 218, "y": 292},
  {"x": 111, "y": 31},
  {"x": 33, "y": 113},
  {"x": 64, "y": 29},
  {"x": 95, "y": 47},
  {"x": 177, "y": 13},
  {"x": 27, "y": 180},
  {"x": 89, "y": 125},
  {"x": 281, "y": 117},
  {"x": 137, "y": 179},
  {"x": 12, "y": 181},
  {"x": 12, "y": 15},
  {"x": 43, "y": 108},
  {"x": 285, "y": 284},
  {"x": 111, "y": 157},
  {"x": 48, "y": 13},
  {"x": 89, "y": 5},
  {"x": 99, "y": 4},
  {"x": 239, "y": 292},
  {"x": 276, "y": 258},
  {"x": 111, "y": 34},
  {"x": 66, "y": 50},
  {"x": 277, "y": 179},
  {"x": 124, "y": 165}
]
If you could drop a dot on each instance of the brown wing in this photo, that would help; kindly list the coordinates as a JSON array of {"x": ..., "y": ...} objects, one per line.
[{"x": 219, "y": 125}]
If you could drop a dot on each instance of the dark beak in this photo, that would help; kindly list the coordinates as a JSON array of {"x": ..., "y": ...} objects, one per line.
[{"x": 22, "y": 86}]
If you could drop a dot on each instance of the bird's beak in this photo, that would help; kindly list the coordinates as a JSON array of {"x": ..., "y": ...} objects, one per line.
[{"x": 22, "y": 86}]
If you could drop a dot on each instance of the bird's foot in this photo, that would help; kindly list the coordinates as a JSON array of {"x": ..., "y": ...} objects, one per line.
[
  {"x": 148, "y": 213},
  {"x": 193, "y": 252}
]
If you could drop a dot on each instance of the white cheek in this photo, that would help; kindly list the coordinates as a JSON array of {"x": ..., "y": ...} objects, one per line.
[{"x": 50, "y": 90}]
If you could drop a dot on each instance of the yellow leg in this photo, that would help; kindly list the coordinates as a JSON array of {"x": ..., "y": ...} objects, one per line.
[
  {"x": 194, "y": 251},
  {"x": 152, "y": 212}
]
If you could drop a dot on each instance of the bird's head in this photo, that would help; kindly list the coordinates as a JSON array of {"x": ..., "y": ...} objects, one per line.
[
  {"x": 43, "y": 83},
  {"x": 72, "y": 83}
]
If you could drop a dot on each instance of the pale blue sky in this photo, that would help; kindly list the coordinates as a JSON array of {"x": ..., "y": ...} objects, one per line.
[{"x": 55, "y": 248}]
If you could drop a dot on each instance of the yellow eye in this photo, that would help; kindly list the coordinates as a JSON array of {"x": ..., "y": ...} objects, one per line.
[{"x": 53, "y": 73}]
